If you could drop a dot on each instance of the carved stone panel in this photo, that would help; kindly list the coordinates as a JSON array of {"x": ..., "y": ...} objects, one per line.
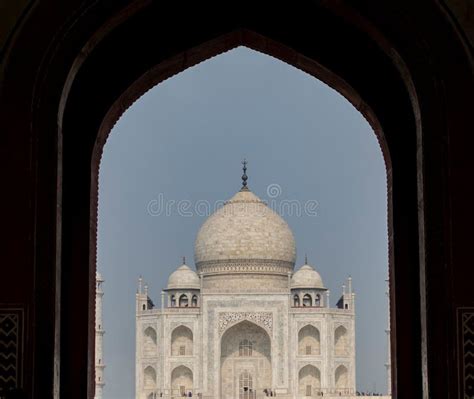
[
  {"x": 263, "y": 319},
  {"x": 11, "y": 348},
  {"x": 466, "y": 349}
]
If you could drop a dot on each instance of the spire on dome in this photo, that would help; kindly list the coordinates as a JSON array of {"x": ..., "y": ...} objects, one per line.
[
  {"x": 244, "y": 176},
  {"x": 305, "y": 259},
  {"x": 184, "y": 260}
]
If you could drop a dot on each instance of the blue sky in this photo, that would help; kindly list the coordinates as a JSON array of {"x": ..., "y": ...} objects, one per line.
[{"x": 184, "y": 141}]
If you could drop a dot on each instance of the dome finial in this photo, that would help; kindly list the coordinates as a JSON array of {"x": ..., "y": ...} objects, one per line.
[
  {"x": 184, "y": 260},
  {"x": 305, "y": 259},
  {"x": 244, "y": 176}
]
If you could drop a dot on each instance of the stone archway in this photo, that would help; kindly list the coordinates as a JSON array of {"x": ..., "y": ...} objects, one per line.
[
  {"x": 245, "y": 356},
  {"x": 149, "y": 377},
  {"x": 309, "y": 381},
  {"x": 181, "y": 381},
  {"x": 341, "y": 378},
  {"x": 369, "y": 49}
]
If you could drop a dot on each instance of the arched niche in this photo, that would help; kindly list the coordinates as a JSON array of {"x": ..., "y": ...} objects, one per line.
[
  {"x": 149, "y": 342},
  {"x": 340, "y": 341},
  {"x": 182, "y": 341},
  {"x": 149, "y": 377},
  {"x": 309, "y": 341},
  {"x": 309, "y": 381},
  {"x": 181, "y": 381},
  {"x": 183, "y": 301},
  {"x": 341, "y": 378}
]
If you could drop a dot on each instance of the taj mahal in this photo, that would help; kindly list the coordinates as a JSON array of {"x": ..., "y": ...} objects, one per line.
[{"x": 245, "y": 324}]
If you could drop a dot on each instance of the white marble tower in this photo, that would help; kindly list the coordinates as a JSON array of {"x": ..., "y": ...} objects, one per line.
[{"x": 99, "y": 336}]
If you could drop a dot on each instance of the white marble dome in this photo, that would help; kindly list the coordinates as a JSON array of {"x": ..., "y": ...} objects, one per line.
[
  {"x": 183, "y": 278},
  {"x": 306, "y": 277},
  {"x": 245, "y": 228}
]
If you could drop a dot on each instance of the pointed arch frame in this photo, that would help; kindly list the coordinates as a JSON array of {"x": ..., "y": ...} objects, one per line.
[{"x": 77, "y": 205}]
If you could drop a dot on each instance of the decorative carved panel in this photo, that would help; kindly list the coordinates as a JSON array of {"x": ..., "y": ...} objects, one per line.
[
  {"x": 245, "y": 266},
  {"x": 263, "y": 319},
  {"x": 11, "y": 348},
  {"x": 466, "y": 348}
]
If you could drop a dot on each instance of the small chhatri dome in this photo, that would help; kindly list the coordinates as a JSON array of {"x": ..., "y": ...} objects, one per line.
[
  {"x": 245, "y": 230},
  {"x": 183, "y": 278},
  {"x": 307, "y": 277}
]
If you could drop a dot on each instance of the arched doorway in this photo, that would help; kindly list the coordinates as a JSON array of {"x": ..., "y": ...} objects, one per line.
[
  {"x": 246, "y": 369},
  {"x": 341, "y": 378},
  {"x": 376, "y": 37},
  {"x": 181, "y": 381},
  {"x": 307, "y": 301},
  {"x": 246, "y": 390},
  {"x": 309, "y": 349},
  {"x": 358, "y": 44},
  {"x": 309, "y": 381},
  {"x": 149, "y": 378}
]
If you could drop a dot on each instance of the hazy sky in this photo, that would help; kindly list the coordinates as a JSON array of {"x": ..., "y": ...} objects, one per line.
[{"x": 184, "y": 141}]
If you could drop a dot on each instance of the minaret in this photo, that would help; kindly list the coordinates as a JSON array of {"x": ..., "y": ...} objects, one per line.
[
  {"x": 99, "y": 335},
  {"x": 388, "y": 365}
]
